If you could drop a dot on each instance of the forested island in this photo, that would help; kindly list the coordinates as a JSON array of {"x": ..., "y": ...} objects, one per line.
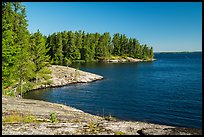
[
  {"x": 66, "y": 47},
  {"x": 177, "y": 52},
  {"x": 26, "y": 56}
]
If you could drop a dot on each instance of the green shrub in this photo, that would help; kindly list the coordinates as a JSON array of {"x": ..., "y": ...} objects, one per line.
[
  {"x": 53, "y": 117},
  {"x": 119, "y": 133},
  {"x": 94, "y": 128}
]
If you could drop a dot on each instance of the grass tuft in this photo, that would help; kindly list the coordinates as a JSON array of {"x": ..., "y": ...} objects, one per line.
[
  {"x": 19, "y": 118},
  {"x": 119, "y": 133}
]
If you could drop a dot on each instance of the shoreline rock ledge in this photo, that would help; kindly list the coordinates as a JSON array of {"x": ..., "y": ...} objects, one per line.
[
  {"x": 62, "y": 76},
  {"x": 126, "y": 59},
  {"x": 33, "y": 117}
]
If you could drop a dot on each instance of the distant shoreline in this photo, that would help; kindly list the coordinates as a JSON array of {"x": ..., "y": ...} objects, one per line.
[
  {"x": 125, "y": 59},
  {"x": 168, "y": 52}
]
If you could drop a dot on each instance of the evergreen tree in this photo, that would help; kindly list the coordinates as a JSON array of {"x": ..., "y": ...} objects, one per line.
[
  {"x": 97, "y": 45},
  {"x": 58, "y": 56},
  {"x": 151, "y": 54},
  {"x": 8, "y": 46},
  {"x": 130, "y": 48},
  {"x": 93, "y": 43},
  {"x": 116, "y": 44},
  {"x": 52, "y": 45},
  {"x": 73, "y": 50},
  {"x": 145, "y": 52},
  {"x": 103, "y": 48},
  {"x": 65, "y": 48},
  {"x": 79, "y": 43},
  {"x": 107, "y": 44},
  {"x": 23, "y": 65},
  {"x": 123, "y": 44},
  {"x": 86, "y": 48},
  {"x": 21, "y": 56},
  {"x": 137, "y": 48},
  {"x": 40, "y": 58}
]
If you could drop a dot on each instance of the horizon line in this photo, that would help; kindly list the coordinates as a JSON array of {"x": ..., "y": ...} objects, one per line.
[{"x": 178, "y": 51}]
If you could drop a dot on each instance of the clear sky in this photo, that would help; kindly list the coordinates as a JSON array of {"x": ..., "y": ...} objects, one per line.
[{"x": 166, "y": 26}]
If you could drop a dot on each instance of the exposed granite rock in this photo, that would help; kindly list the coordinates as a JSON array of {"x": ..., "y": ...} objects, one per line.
[
  {"x": 62, "y": 75},
  {"x": 72, "y": 121},
  {"x": 126, "y": 59},
  {"x": 170, "y": 131}
]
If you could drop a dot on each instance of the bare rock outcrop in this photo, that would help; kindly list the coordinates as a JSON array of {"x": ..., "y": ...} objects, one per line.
[
  {"x": 126, "y": 59},
  {"x": 71, "y": 121},
  {"x": 62, "y": 75}
]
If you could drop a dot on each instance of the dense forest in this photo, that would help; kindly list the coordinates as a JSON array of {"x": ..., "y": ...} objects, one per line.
[
  {"x": 26, "y": 56},
  {"x": 66, "y": 47}
]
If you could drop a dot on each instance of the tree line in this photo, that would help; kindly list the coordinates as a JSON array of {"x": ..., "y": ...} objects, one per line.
[
  {"x": 26, "y": 56},
  {"x": 68, "y": 46}
]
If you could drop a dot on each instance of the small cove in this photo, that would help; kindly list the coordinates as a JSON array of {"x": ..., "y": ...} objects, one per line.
[{"x": 166, "y": 91}]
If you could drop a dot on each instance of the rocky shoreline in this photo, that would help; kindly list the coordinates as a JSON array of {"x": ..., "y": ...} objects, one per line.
[
  {"x": 33, "y": 117},
  {"x": 62, "y": 76},
  {"x": 126, "y": 59}
]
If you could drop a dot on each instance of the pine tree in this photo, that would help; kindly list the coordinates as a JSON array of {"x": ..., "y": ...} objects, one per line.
[
  {"x": 144, "y": 52},
  {"x": 103, "y": 47},
  {"x": 116, "y": 44},
  {"x": 137, "y": 49},
  {"x": 39, "y": 57},
  {"x": 85, "y": 52},
  {"x": 97, "y": 45},
  {"x": 107, "y": 44},
  {"x": 151, "y": 53},
  {"x": 93, "y": 43},
  {"x": 130, "y": 48},
  {"x": 73, "y": 51},
  {"x": 23, "y": 56},
  {"x": 65, "y": 47},
  {"x": 8, "y": 46},
  {"x": 123, "y": 44},
  {"x": 23, "y": 64},
  {"x": 58, "y": 56},
  {"x": 78, "y": 43},
  {"x": 52, "y": 46}
]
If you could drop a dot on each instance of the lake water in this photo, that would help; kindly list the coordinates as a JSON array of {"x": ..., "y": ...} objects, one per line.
[{"x": 166, "y": 91}]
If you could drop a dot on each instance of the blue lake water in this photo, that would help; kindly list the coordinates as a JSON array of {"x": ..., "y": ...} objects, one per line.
[{"x": 166, "y": 91}]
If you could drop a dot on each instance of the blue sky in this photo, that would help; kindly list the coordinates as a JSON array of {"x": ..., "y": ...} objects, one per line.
[{"x": 166, "y": 26}]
